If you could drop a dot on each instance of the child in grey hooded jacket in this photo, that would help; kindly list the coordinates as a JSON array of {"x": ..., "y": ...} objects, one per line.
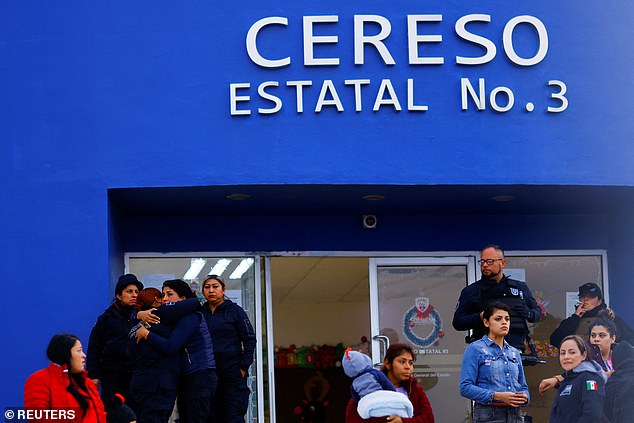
[{"x": 372, "y": 390}]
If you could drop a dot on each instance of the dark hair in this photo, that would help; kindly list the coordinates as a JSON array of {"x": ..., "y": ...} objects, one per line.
[
  {"x": 495, "y": 247},
  {"x": 581, "y": 344},
  {"x": 216, "y": 278},
  {"x": 146, "y": 297},
  {"x": 606, "y": 323},
  {"x": 606, "y": 313},
  {"x": 181, "y": 288},
  {"x": 58, "y": 351},
  {"x": 491, "y": 308},
  {"x": 394, "y": 351}
]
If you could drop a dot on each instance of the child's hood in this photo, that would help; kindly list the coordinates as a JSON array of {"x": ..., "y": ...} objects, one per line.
[{"x": 355, "y": 363}]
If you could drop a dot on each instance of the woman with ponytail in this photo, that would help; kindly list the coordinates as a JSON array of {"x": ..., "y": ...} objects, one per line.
[{"x": 63, "y": 386}]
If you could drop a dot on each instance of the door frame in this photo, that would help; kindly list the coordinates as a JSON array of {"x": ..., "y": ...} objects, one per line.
[{"x": 257, "y": 292}]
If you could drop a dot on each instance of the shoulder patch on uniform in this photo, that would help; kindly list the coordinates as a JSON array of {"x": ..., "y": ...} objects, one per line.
[
  {"x": 457, "y": 304},
  {"x": 592, "y": 385}
]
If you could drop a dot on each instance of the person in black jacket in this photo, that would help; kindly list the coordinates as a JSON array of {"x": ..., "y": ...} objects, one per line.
[
  {"x": 493, "y": 287},
  {"x": 591, "y": 308},
  {"x": 619, "y": 389},
  {"x": 234, "y": 343},
  {"x": 154, "y": 382},
  {"x": 581, "y": 393},
  {"x": 107, "y": 360},
  {"x": 189, "y": 338}
]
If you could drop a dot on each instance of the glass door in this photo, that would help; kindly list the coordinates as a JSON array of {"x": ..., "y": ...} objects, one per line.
[
  {"x": 412, "y": 301},
  {"x": 242, "y": 275}
]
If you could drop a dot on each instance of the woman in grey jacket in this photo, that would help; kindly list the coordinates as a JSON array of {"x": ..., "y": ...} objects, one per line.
[{"x": 581, "y": 394}]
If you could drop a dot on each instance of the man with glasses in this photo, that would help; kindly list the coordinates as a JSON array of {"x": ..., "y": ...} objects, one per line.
[{"x": 492, "y": 287}]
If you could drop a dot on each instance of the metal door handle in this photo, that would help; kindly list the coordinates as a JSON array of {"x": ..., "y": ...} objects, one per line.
[{"x": 386, "y": 343}]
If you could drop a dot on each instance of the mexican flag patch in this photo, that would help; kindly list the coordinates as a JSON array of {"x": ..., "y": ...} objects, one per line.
[{"x": 592, "y": 385}]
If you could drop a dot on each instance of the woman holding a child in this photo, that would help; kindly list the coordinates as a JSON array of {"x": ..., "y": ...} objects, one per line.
[{"x": 398, "y": 366}]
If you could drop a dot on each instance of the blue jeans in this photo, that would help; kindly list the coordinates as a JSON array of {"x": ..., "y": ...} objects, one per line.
[{"x": 494, "y": 414}]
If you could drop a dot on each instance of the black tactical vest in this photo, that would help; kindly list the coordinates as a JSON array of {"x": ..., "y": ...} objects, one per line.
[{"x": 509, "y": 293}]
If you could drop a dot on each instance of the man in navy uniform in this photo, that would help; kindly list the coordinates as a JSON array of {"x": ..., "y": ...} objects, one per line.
[{"x": 495, "y": 286}]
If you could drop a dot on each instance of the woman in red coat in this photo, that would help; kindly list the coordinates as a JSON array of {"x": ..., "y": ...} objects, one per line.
[
  {"x": 397, "y": 366},
  {"x": 63, "y": 386}
]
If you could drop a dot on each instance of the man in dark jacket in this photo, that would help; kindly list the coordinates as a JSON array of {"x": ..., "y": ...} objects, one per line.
[
  {"x": 619, "y": 389},
  {"x": 107, "y": 361},
  {"x": 591, "y": 308},
  {"x": 495, "y": 286}
]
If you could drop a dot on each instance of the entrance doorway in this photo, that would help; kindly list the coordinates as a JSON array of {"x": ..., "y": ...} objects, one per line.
[
  {"x": 321, "y": 305},
  {"x": 306, "y": 307}
]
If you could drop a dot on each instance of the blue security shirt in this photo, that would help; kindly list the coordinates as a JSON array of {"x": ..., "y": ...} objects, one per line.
[
  {"x": 487, "y": 368},
  {"x": 232, "y": 336}
]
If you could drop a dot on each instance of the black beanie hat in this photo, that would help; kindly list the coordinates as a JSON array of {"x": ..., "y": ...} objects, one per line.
[
  {"x": 58, "y": 350},
  {"x": 118, "y": 412},
  {"x": 125, "y": 280}
]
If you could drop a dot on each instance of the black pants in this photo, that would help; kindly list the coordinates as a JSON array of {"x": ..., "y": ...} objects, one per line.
[
  {"x": 154, "y": 407},
  {"x": 195, "y": 392},
  {"x": 114, "y": 381},
  {"x": 154, "y": 416},
  {"x": 230, "y": 403}
]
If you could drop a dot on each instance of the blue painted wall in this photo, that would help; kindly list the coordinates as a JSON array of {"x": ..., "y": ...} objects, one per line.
[
  {"x": 95, "y": 96},
  {"x": 137, "y": 94}
]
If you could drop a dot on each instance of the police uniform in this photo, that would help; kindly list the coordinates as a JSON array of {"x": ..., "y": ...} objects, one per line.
[
  {"x": 515, "y": 294},
  {"x": 580, "y": 396}
]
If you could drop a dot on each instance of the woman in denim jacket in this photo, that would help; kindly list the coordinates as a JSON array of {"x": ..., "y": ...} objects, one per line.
[{"x": 492, "y": 374}]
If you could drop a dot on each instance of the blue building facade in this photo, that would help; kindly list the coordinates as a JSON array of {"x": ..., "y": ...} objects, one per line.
[{"x": 128, "y": 126}]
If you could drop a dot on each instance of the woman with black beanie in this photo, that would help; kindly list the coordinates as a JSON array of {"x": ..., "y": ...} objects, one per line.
[
  {"x": 108, "y": 360},
  {"x": 63, "y": 386}
]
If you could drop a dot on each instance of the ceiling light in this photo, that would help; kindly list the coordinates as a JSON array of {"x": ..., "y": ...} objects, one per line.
[
  {"x": 374, "y": 197},
  {"x": 196, "y": 266},
  {"x": 244, "y": 265},
  {"x": 220, "y": 266},
  {"x": 238, "y": 197}
]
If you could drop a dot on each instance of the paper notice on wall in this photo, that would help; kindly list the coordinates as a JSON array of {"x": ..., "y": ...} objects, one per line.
[
  {"x": 572, "y": 299},
  {"x": 234, "y": 295},
  {"x": 517, "y": 274},
  {"x": 155, "y": 280}
]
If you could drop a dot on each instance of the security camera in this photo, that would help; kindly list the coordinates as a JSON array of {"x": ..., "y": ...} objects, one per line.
[{"x": 369, "y": 221}]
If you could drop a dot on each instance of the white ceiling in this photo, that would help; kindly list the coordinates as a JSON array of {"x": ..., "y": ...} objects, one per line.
[
  {"x": 295, "y": 280},
  {"x": 309, "y": 280}
]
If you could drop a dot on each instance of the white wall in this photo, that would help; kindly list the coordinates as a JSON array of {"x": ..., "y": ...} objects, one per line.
[{"x": 323, "y": 323}]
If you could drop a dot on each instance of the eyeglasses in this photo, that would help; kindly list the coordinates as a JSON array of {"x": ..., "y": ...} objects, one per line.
[{"x": 489, "y": 262}]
